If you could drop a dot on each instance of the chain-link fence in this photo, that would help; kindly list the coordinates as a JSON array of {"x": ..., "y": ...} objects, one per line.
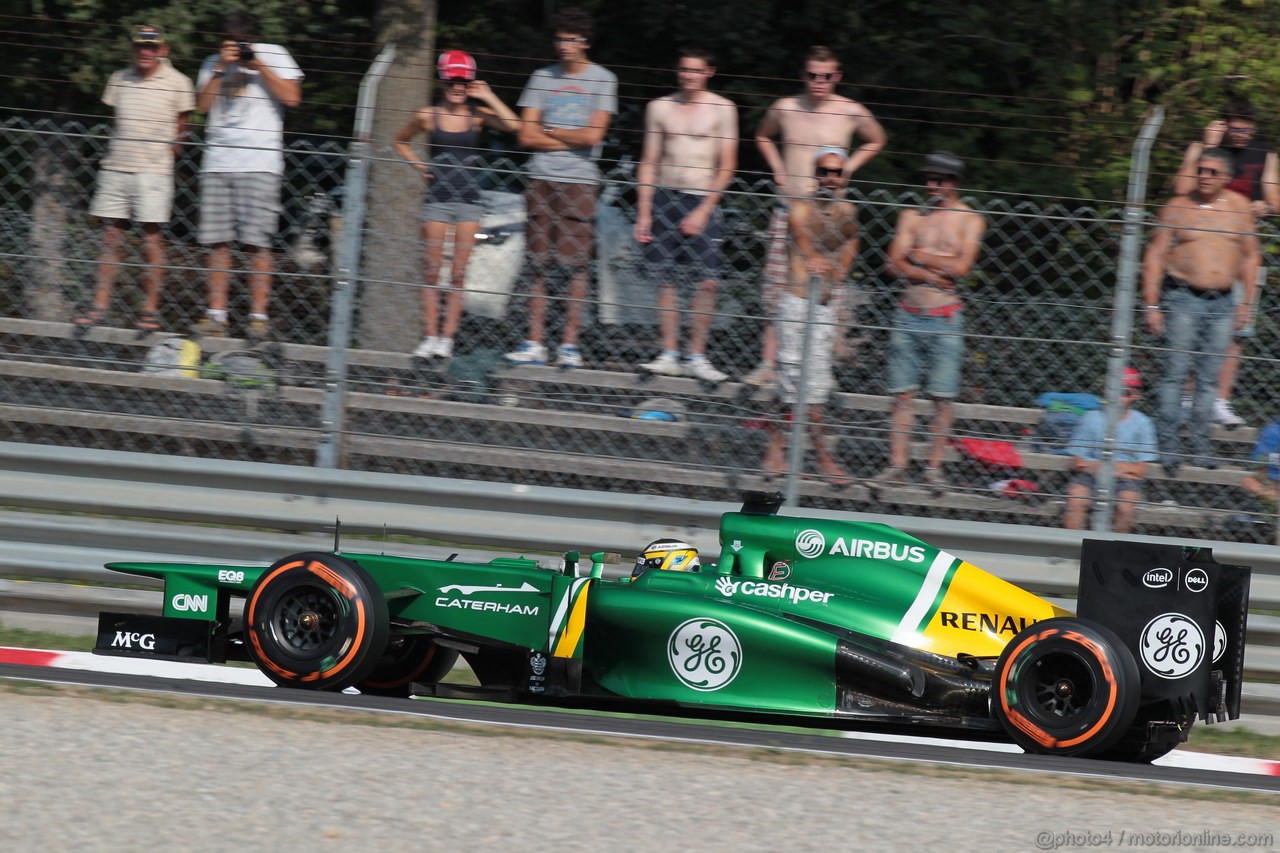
[{"x": 1038, "y": 311}]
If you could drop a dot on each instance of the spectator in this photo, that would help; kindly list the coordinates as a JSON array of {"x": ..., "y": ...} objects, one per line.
[
  {"x": 453, "y": 187},
  {"x": 1202, "y": 245},
  {"x": 1255, "y": 176},
  {"x": 1263, "y": 482},
  {"x": 804, "y": 124},
  {"x": 565, "y": 112},
  {"x": 689, "y": 156},
  {"x": 152, "y": 103},
  {"x": 1135, "y": 446},
  {"x": 824, "y": 243},
  {"x": 243, "y": 89},
  {"x": 934, "y": 248}
]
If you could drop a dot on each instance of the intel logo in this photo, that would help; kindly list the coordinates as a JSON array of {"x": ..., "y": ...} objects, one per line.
[{"x": 1157, "y": 578}]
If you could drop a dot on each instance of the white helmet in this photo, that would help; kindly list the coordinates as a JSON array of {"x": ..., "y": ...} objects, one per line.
[{"x": 667, "y": 555}]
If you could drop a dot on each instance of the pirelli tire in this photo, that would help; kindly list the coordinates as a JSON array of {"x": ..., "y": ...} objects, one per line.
[
  {"x": 406, "y": 660},
  {"x": 316, "y": 621},
  {"x": 1066, "y": 686}
]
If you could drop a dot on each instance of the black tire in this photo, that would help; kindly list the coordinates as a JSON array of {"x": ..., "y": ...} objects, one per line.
[
  {"x": 315, "y": 621},
  {"x": 407, "y": 659},
  {"x": 1066, "y": 687}
]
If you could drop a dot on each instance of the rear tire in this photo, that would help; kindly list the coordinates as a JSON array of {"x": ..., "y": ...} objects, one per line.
[
  {"x": 408, "y": 658},
  {"x": 1066, "y": 687},
  {"x": 315, "y": 621}
]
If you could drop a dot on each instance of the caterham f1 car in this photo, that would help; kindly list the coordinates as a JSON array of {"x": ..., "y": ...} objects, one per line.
[{"x": 801, "y": 617}]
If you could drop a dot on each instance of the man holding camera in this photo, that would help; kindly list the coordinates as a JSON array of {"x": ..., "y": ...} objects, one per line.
[{"x": 243, "y": 89}]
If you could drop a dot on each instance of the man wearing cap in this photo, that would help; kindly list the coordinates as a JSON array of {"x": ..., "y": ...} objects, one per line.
[
  {"x": 1256, "y": 176},
  {"x": 1134, "y": 448},
  {"x": 152, "y": 103},
  {"x": 1203, "y": 243},
  {"x": 689, "y": 156},
  {"x": 566, "y": 109},
  {"x": 243, "y": 89},
  {"x": 824, "y": 243},
  {"x": 934, "y": 248},
  {"x": 802, "y": 124}
]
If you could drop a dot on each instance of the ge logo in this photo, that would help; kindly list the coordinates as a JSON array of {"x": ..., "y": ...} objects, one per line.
[
  {"x": 1172, "y": 645},
  {"x": 1219, "y": 640},
  {"x": 810, "y": 543},
  {"x": 704, "y": 654}
]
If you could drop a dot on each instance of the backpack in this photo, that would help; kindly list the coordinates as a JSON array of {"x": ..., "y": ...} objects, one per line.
[
  {"x": 173, "y": 357},
  {"x": 246, "y": 369},
  {"x": 470, "y": 376},
  {"x": 1062, "y": 414}
]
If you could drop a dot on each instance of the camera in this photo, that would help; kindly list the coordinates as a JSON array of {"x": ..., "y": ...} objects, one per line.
[{"x": 246, "y": 51}]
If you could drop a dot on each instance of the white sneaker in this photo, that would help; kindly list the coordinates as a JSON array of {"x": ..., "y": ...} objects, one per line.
[
  {"x": 665, "y": 364},
  {"x": 1225, "y": 415},
  {"x": 444, "y": 348},
  {"x": 698, "y": 367},
  {"x": 567, "y": 356},
  {"x": 427, "y": 349},
  {"x": 528, "y": 353}
]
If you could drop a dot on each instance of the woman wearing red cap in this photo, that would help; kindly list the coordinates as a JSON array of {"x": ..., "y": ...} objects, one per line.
[{"x": 452, "y": 198}]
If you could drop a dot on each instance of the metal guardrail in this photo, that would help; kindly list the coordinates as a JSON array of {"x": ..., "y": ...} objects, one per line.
[{"x": 291, "y": 508}]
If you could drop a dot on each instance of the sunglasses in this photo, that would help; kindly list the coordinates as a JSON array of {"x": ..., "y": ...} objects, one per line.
[
  {"x": 1241, "y": 130},
  {"x": 825, "y": 77},
  {"x": 456, "y": 82},
  {"x": 684, "y": 70},
  {"x": 824, "y": 172},
  {"x": 569, "y": 40},
  {"x": 1213, "y": 173},
  {"x": 936, "y": 179}
]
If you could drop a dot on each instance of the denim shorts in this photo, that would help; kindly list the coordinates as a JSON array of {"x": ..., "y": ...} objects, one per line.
[
  {"x": 1120, "y": 486},
  {"x": 932, "y": 347},
  {"x": 452, "y": 211},
  {"x": 673, "y": 258}
]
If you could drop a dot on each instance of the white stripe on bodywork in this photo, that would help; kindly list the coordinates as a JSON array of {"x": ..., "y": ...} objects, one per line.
[
  {"x": 561, "y": 610},
  {"x": 909, "y": 627}
]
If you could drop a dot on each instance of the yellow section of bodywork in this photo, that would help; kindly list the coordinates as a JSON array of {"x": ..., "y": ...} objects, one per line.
[{"x": 980, "y": 613}]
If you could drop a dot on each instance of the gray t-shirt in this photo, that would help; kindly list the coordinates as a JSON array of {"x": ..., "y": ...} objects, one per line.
[{"x": 569, "y": 101}]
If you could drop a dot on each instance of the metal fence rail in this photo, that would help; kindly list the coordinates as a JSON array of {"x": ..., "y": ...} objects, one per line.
[{"x": 1041, "y": 306}]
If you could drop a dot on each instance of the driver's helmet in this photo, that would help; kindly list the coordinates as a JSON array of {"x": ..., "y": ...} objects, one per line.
[{"x": 667, "y": 555}]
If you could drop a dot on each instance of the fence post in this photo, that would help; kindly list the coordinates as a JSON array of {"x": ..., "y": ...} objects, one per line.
[
  {"x": 1122, "y": 317},
  {"x": 800, "y": 405},
  {"x": 333, "y": 409}
]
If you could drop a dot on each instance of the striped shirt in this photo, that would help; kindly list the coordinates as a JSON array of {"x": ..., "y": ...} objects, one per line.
[{"x": 147, "y": 111}]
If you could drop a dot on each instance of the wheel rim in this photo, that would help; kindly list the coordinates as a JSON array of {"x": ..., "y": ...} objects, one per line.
[
  {"x": 306, "y": 619},
  {"x": 1063, "y": 686}
]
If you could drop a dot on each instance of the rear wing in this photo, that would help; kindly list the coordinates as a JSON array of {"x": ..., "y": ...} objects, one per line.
[{"x": 1181, "y": 613}]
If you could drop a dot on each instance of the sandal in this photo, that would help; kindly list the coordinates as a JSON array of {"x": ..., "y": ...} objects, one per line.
[
  {"x": 91, "y": 317},
  {"x": 148, "y": 322}
]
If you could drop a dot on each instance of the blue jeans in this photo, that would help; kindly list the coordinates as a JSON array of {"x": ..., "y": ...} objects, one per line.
[
  {"x": 1196, "y": 333},
  {"x": 931, "y": 348}
]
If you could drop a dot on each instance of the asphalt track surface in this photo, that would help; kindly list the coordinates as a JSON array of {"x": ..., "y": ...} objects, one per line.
[{"x": 673, "y": 730}]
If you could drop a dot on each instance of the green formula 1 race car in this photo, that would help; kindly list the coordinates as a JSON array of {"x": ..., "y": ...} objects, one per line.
[{"x": 803, "y": 617}]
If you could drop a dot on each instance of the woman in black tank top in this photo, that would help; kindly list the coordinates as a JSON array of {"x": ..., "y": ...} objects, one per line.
[{"x": 452, "y": 196}]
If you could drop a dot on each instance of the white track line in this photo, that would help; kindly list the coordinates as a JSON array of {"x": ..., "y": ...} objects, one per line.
[{"x": 253, "y": 678}]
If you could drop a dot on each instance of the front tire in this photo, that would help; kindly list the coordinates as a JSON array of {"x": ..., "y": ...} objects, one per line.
[
  {"x": 1066, "y": 686},
  {"x": 315, "y": 621}
]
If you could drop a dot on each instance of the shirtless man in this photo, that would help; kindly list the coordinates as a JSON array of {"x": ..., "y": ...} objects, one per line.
[
  {"x": 689, "y": 156},
  {"x": 1256, "y": 176},
  {"x": 804, "y": 124},
  {"x": 824, "y": 243},
  {"x": 934, "y": 248},
  {"x": 1203, "y": 244}
]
